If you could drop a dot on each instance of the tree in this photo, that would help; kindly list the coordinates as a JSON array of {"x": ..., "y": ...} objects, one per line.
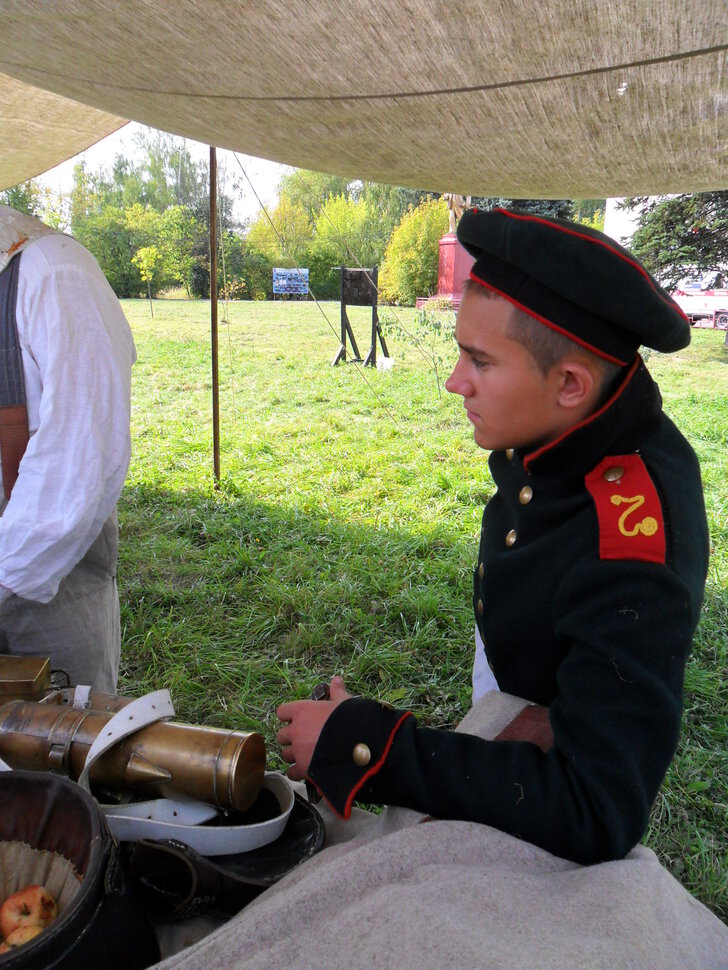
[
  {"x": 145, "y": 259},
  {"x": 325, "y": 221},
  {"x": 115, "y": 235},
  {"x": 392, "y": 201},
  {"x": 346, "y": 233},
  {"x": 181, "y": 237},
  {"x": 55, "y": 209},
  {"x": 411, "y": 260},
  {"x": 386, "y": 205},
  {"x": 248, "y": 274},
  {"x": 682, "y": 235},
  {"x": 590, "y": 212},
  {"x": 105, "y": 234},
  {"x": 310, "y": 191},
  {"x": 550, "y": 208},
  {"x": 285, "y": 239},
  {"x": 162, "y": 200},
  {"x": 87, "y": 199},
  {"x": 25, "y": 197},
  {"x": 164, "y": 176}
]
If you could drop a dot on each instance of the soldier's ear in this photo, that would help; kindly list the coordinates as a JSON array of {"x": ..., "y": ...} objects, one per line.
[{"x": 577, "y": 384}]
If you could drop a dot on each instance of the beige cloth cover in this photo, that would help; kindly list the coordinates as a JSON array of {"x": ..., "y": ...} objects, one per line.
[
  {"x": 389, "y": 892},
  {"x": 565, "y": 99}
]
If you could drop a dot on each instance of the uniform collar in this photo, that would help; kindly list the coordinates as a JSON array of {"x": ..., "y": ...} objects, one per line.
[{"x": 618, "y": 426}]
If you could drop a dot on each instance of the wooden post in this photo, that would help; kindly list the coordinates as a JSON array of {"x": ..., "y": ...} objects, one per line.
[{"x": 213, "y": 317}]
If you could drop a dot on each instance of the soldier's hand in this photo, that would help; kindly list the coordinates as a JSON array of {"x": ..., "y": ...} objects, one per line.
[{"x": 304, "y": 721}]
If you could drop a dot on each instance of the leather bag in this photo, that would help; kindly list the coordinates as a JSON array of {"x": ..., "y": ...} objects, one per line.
[{"x": 176, "y": 883}]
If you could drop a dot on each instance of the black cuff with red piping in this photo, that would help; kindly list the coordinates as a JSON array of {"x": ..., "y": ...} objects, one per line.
[{"x": 352, "y": 749}]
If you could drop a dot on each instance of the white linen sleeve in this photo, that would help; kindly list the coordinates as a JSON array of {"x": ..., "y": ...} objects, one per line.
[
  {"x": 77, "y": 354},
  {"x": 483, "y": 677}
]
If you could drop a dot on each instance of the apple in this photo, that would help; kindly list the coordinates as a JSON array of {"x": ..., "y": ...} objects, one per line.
[
  {"x": 31, "y": 906},
  {"x": 22, "y": 935}
]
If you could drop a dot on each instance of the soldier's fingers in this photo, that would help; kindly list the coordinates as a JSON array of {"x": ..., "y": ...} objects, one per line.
[
  {"x": 286, "y": 712},
  {"x": 338, "y": 689}
]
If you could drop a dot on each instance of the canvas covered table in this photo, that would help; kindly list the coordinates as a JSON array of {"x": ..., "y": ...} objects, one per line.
[{"x": 391, "y": 891}]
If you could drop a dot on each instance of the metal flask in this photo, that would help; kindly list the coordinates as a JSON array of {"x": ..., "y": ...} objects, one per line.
[{"x": 214, "y": 765}]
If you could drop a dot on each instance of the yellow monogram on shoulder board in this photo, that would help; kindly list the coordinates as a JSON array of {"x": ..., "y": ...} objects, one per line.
[
  {"x": 629, "y": 511},
  {"x": 647, "y": 527}
]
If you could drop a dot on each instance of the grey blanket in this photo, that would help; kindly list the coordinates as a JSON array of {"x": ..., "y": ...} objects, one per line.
[{"x": 390, "y": 891}]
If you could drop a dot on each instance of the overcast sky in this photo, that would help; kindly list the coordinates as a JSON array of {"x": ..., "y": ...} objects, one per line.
[{"x": 263, "y": 175}]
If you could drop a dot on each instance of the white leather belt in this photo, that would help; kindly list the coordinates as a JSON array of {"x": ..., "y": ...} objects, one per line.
[
  {"x": 134, "y": 716},
  {"x": 177, "y": 818},
  {"x": 183, "y": 821}
]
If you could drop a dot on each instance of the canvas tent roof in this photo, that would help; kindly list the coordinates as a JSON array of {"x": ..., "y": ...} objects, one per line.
[{"x": 572, "y": 98}]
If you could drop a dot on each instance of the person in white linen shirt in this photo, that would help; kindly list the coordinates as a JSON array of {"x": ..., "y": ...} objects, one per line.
[{"x": 59, "y": 531}]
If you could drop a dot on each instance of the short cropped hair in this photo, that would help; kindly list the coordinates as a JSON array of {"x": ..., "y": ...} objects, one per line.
[{"x": 547, "y": 347}]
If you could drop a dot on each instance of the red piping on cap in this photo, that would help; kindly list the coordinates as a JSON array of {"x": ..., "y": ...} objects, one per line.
[
  {"x": 598, "y": 242},
  {"x": 549, "y": 323}
]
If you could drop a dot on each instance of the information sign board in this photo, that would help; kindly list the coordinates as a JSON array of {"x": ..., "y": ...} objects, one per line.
[{"x": 290, "y": 280}]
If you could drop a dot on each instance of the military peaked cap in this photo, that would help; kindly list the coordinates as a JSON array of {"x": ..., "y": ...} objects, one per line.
[{"x": 575, "y": 280}]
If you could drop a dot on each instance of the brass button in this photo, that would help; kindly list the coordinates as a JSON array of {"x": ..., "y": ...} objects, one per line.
[
  {"x": 509, "y": 453},
  {"x": 613, "y": 473},
  {"x": 480, "y": 607},
  {"x": 525, "y": 495},
  {"x": 481, "y": 570},
  {"x": 361, "y": 755},
  {"x": 511, "y": 537}
]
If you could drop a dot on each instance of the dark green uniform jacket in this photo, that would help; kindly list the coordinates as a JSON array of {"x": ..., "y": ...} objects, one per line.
[{"x": 588, "y": 589}]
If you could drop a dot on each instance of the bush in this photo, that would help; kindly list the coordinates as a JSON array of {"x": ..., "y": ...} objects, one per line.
[
  {"x": 412, "y": 256},
  {"x": 107, "y": 237}
]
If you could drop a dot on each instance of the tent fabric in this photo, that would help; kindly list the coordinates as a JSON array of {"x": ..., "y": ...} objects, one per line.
[
  {"x": 40, "y": 129},
  {"x": 503, "y": 97}
]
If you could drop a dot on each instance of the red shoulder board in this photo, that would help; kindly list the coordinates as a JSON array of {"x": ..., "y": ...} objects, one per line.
[{"x": 631, "y": 524}]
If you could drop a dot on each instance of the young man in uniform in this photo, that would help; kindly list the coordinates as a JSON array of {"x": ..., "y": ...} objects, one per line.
[{"x": 592, "y": 560}]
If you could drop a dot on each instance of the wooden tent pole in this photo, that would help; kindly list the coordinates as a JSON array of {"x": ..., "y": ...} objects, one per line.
[{"x": 213, "y": 317}]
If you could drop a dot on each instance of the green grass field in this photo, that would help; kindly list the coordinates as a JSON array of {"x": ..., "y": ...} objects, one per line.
[{"x": 344, "y": 531}]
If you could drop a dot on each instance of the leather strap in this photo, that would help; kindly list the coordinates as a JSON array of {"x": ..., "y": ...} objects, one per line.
[
  {"x": 176, "y": 882},
  {"x": 14, "y": 434},
  {"x": 168, "y": 811},
  {"x": 132, "y": 718},
  {"x": 531, "y": 724},
  {"x": 14, "y": 437}
]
